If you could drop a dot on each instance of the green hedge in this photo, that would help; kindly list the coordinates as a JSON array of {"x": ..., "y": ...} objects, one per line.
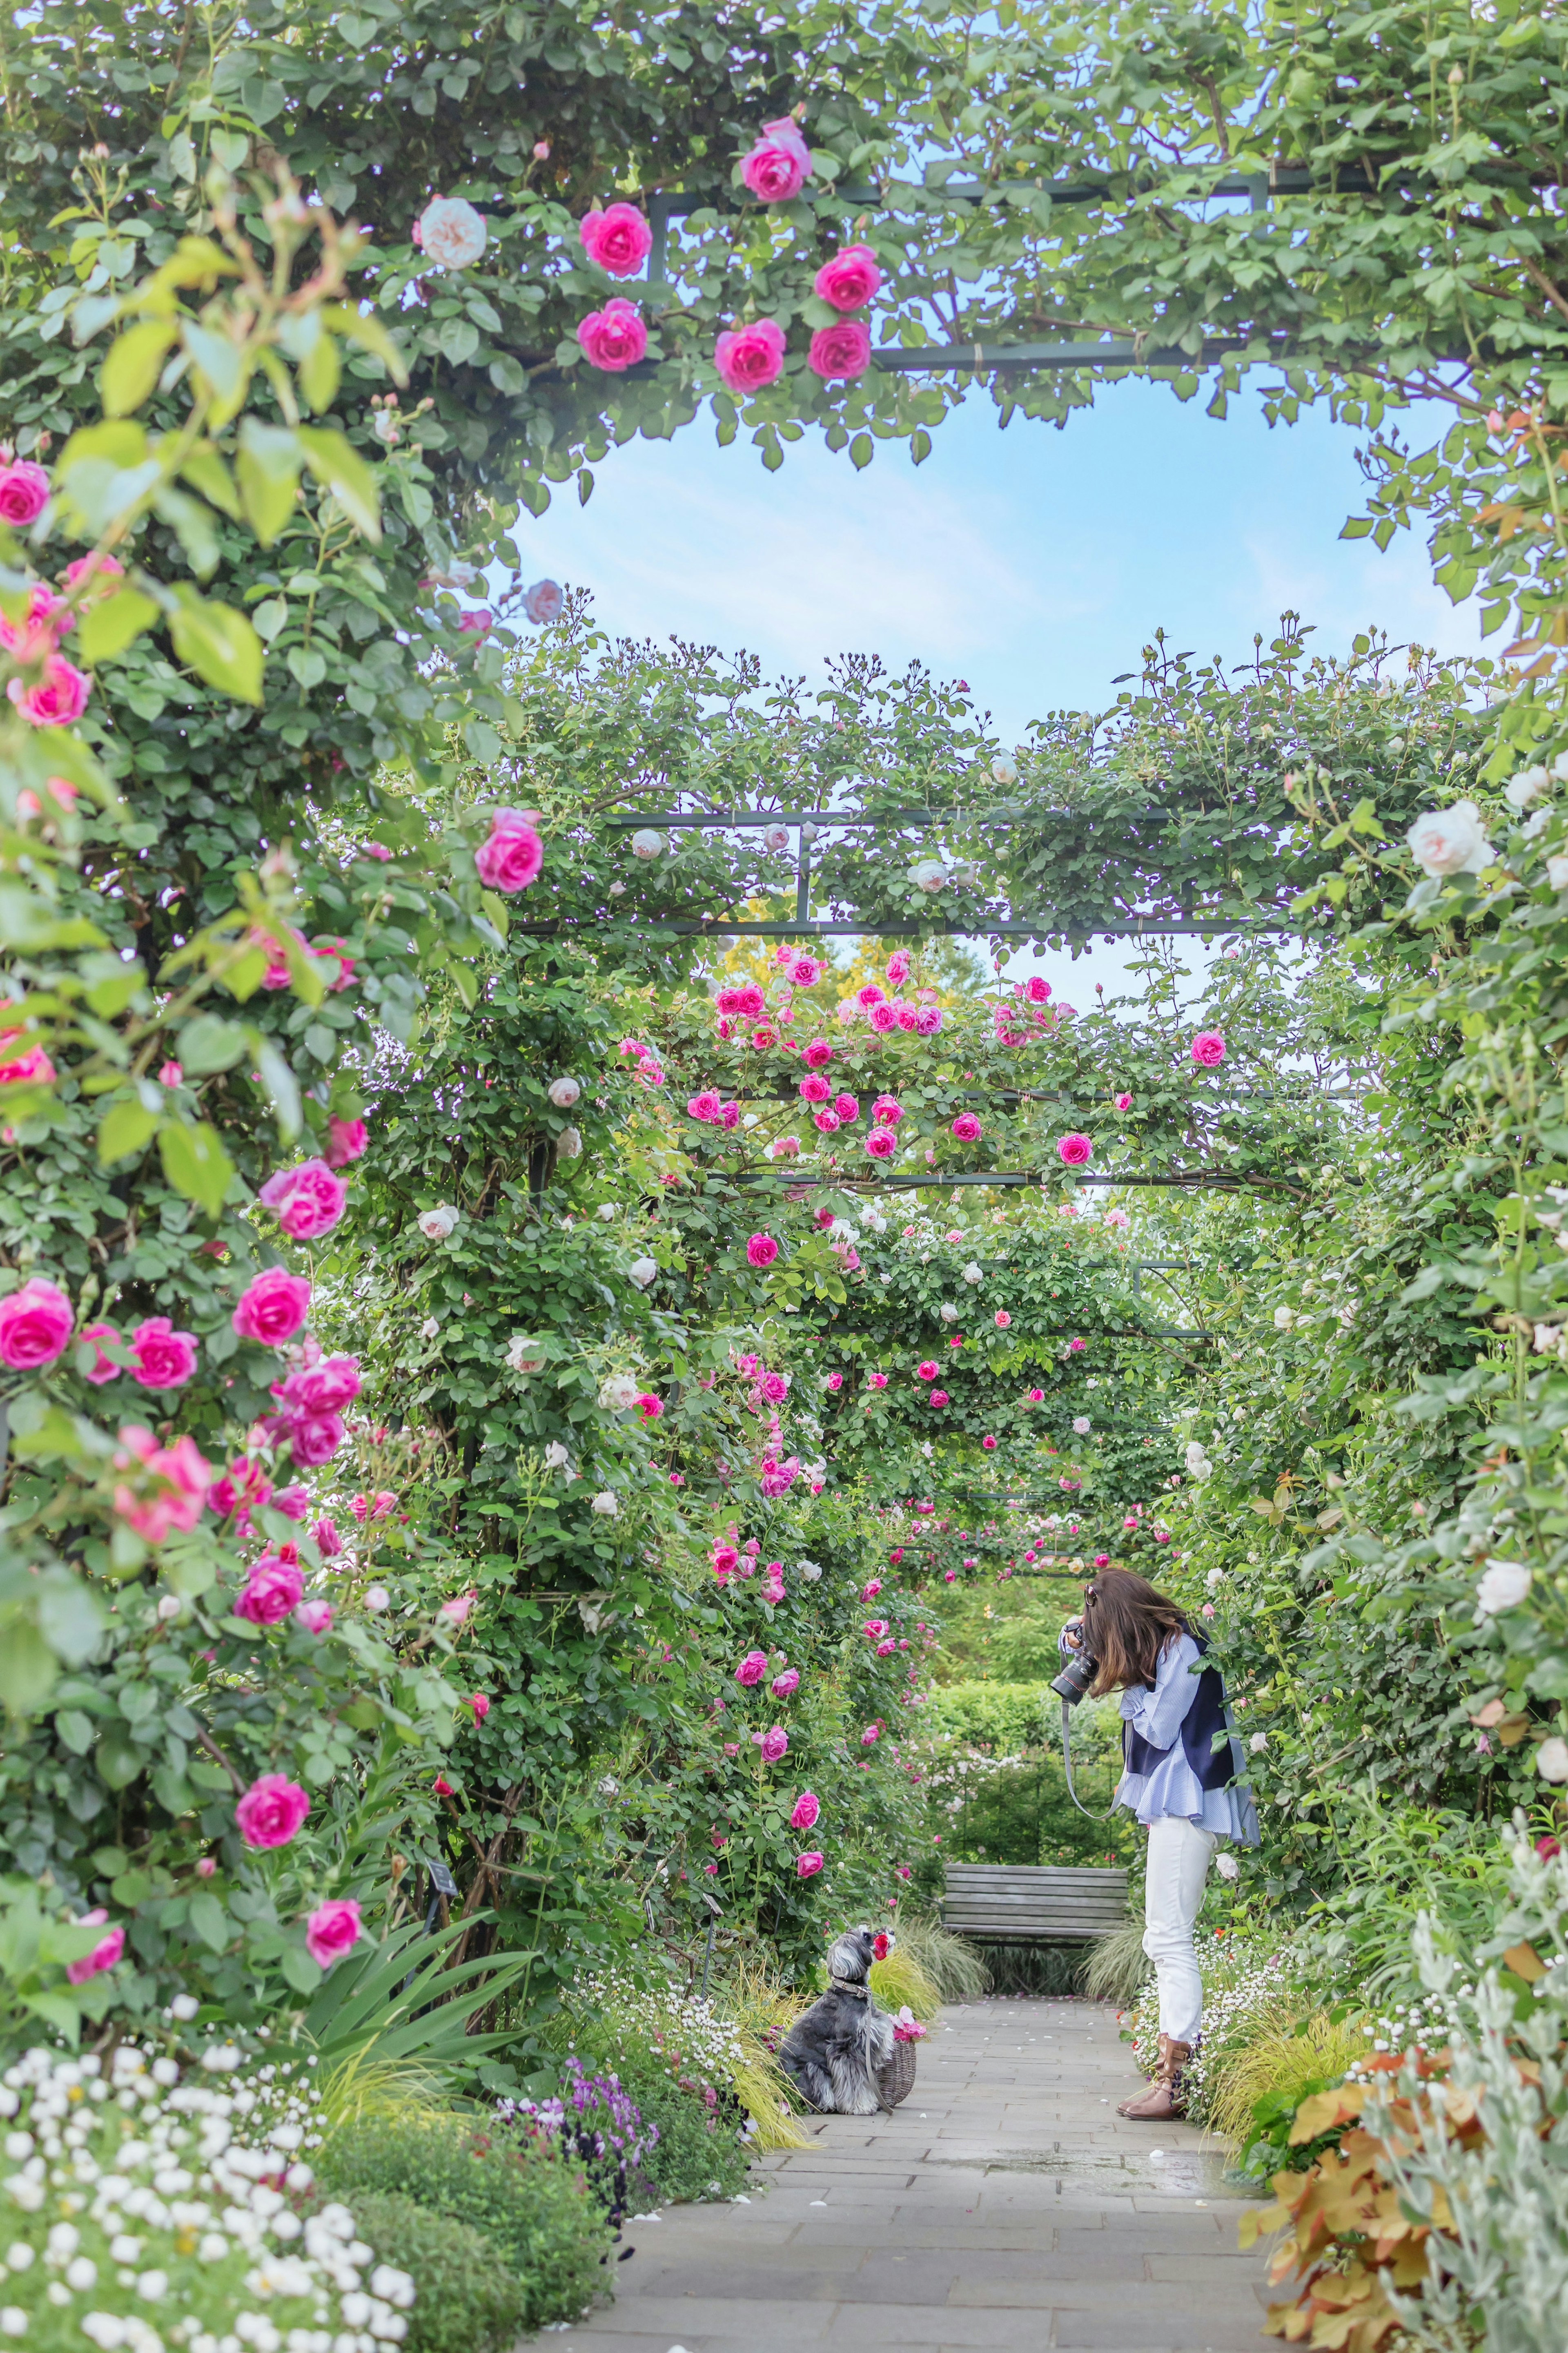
[
  {"x": 469, "y": 2299},
  {"x": 536, "y": 2213}
]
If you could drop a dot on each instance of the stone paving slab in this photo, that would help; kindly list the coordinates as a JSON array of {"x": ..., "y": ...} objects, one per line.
[{"x": 1014, "y": 2212}]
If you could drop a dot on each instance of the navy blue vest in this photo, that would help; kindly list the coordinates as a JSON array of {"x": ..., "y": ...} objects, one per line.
[{"x": 1204, "y": 1738}]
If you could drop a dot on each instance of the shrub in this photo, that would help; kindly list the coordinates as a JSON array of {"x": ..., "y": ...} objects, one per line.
[
  {"x": 699, "y": 2152},
  {"x": 536, "y": 2212},
  {"x": 467, "y": 2299}
]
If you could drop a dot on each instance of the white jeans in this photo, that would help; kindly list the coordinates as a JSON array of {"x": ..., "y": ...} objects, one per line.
[{"x": 1178, "y": 1864}]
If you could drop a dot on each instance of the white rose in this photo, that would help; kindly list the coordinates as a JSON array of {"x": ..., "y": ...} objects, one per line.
[
  {"x": 930, "y": 874},
  {"x": 563, "y": 1093},
  {"x": 973, "y": 1273},
  {"x": 776, "y": 837},
  {"x": 1502, "y": 1585},
  {"x": 451, "y": 233},
  {"x": 1198, "y": 1464},
  {"x": 1082, "y": 1425},
  {"x": 607, "y": 1503},
  {"x": 618, "y": 1392},
  {"x": 646, "y": 843},
  {"x": 810, "y": 1570},
  {"x": 1214, "y": 1579},
  {"x": 428, "y": 1329},
  {"x": 569, "y": 1144},
  {"x": 1258, "y": 1743},
  {"x": 642, "y": 1272},
  {"x": 948, "y": 1314},
  {"x": 1557, "y": 872},
  {"x": 607, "y": 1211},
  {"x": 1227, "y": 1866},
  {"x": 1526, "y": 788},
  {"x": 1003, "y": 770},
  {"x": 523, "y": 1355},
  {"x": 1552, "y": 1761},
  {"x": 438, "y": 1223},
  {"x": 1284, "y": 1318},
  {"x": 555, "y": 1456},
  {"x": 1450, "y": 841},
  {"x": 1546, "y": 1338}
]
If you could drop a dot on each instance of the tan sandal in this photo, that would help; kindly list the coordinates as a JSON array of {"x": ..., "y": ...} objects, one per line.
[{"x": 1165, "y": 2099}]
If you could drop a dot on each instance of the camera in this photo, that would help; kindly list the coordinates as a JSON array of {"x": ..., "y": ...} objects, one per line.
[{"x": 1078, "y": 1669}]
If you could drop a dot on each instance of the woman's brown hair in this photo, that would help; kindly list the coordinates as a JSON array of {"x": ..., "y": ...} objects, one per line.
[{"x": 1126, "y": 1626}]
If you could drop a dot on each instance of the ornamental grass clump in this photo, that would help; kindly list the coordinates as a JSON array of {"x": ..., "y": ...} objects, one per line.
[
  {"x": 900, "y": 1982},
  {"x": 144, "y": 2212},
  {"x": 955, "y": 1968}
]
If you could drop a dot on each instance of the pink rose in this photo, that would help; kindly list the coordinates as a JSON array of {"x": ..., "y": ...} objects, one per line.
[
  {"x": 333, "y": 1930},
  {"x": 760, "y": 1250},
  {"x": 881, "y": 1144},
  {"x": 458, "y": 1610},
  {"x": 613, "y": 338},
  {"x": 273, "y": 1308},
  {"x": 779, "y": 165},
  {"x": 104, "y": 1368},
  {"x": 23, "y": 495},
  {"x": 1208, "y": 1049},
  {"x": 808, "y": 1865},
  {"x": 306, "y": 1201},
  {"x": 848, "y": 281},
  {"x": 1123, "y": 1103},
  {"x": 480, "y": 1706},
  {"x": 843, "y": 350},
  {"x": 24, "y": 1065},
  {"x": 749, "y": 358},
  {"x": 275, "y": 1588},
  {"x": 649, "y": 1406},
  {"x": 512, "y": 856},
  {"x": 1003, "y": 1319},
  {"x": 827, "y": 1121},
  {"x": 1074, "y": 1345},
  {"x": 807, "y": 1809},
  {"x": 928, "y": 1021},
  {"x": 313, "y": 1439},
  {"x": 883, "y": 1017},
  {"x": 876, "y": 1380},
  {"x": 818, "y": 1055},
  {"x": 805, "y": 972},
  {"x": 887, "y": 1111},
  {"x": 325, "y": 1387},
  {"x": 162, "y": 1358},
  {"x": 205, "y": 1866},
  {"x": 58, "y": 698},
  {"x": 476, "y": 622},
  {"x": 989, "y": 1444},
  {"x": 618, "y": 239},
  {"x": 173, "y": 1487},
  {"x": 774, "y": 1743},
  {"x": 869, "y": 1738},
  {"x": 315, "y": 1617},
  {"x": 783, "y": 1685},
  {"x": 542, "y": 602},
  {"x": 938, "y": 1398},
  {"x": 329, "y": 1543},
  {"x": 705, "y": 1106},
  {"x": 35, "y": 1325},
  {"x": 751, "y": 1669},
  {"x": 346, "y": 1140},
  {"x": 836, "y": 1382},
  {"x": 271, "y": 1810},
  {"x": 292, "y": 1502},
  {"x": 1074, "y": 1149},
  {"x": 108, "y": 1949},
  {"x": 966, "y": 1127},
  {"x": 813, "y": 1088}
]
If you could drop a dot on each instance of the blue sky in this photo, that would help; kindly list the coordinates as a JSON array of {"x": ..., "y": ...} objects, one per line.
[{"x": 1036, "y": 563}]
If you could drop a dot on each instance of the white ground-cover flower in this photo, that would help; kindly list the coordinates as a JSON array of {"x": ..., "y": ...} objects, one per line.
[
  {"x": 1450, "y": 841},
  {"x": 1502, "y": 1585},
  {"x": 144, "y": 2169},
  {"x": 1527, "y": 788},
  {"x": 556, "y": 1456},
  {"x": 1284, "y": 1319},
  {"x": 438, "y": 1223}
]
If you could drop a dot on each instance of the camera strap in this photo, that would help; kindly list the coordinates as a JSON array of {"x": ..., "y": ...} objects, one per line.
[{"x": 1067, "y": 1766}]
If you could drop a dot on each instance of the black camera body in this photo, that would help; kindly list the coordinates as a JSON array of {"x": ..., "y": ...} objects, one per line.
[{"x": 1078, "y": 1669}]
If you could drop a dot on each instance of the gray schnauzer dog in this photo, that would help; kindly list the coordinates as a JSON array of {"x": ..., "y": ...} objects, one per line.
[{"x": 833, "y": 2052}]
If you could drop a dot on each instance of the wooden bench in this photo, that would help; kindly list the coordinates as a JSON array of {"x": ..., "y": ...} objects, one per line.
[{"x": 1022, "y": 1904}]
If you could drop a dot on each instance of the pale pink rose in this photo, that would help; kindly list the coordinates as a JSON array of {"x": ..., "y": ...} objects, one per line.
[
  {"x": 307, "y": 1201},
  {"x": 807, "y": 1865},
  {"x": 1003, "y": 1319},
  {"x": 346, "y": 1140},
  {"x": 205, "y": 1866},
  {"x": 542, "y": 602},
  {"x": 89, "y": 568},
  {"x": 849, "y": 282},
  {"x": 779, "y": 165},
  {"x": 108, "y": 1949},
  {"x": 104, "y": 1368},
  {"x": 1074, "y": 1149},
  {"x": 1208, "y": 1049},
  {"x": 35, "y": 1325},
  {"x": 57, "y": 699},
  {"x": 162, "y": 1358},
  {"x": 274, "y": 1306},
  {"x": 512, "y": 857},
  {"x": 458, "y": 1609},
  {"x": 271, "y": 1811},
  {"x": 451, "y": 233},
  {"x": 613, "y": 338},
  {"x": 749, "y": 358},
  {"x": 333, "y": 1930},
  {"x": 274, "y": 1589},
  {"x": 315, "y": 1617},
  {"x": 883, "y": 1017},
  {"x": 23, "y": 495},
  {"x": 618, "y": 239},
  {"x": 843, "y": 350},
  {"x": 783, "y": 1685},
  {"x": 477, "y": 621}
]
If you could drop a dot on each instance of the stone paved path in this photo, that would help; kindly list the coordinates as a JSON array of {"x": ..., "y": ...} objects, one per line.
[{"x": 1005, "y": 2205}]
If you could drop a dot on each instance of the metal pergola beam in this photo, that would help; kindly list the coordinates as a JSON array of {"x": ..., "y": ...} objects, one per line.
[{"x": 1121, "y": 927}]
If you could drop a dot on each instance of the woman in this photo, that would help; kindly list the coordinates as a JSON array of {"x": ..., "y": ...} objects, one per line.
[{"x": 1184, "y": 1780}]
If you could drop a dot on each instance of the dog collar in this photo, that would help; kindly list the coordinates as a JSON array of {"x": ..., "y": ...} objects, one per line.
[{"x": 848, "y": 1985}]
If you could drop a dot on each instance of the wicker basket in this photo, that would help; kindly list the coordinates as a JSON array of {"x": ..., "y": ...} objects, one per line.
[{"x": 896, "y": 2075}]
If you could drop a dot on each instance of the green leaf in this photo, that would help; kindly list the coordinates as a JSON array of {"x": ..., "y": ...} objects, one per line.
[
  {"x": 107, "y": 627},
  {"x": 305, "y": 665},
  {"x": 117, "y": 1760},
  {"x": 28, "y": 920},
  {"x": 212, "y": 1924},
  {"x": 271, "y": 616},
  {"x": 362, "y": 327},
  {"x": 195, "y": 1162},
  {"x": 268, "y": 467},
  {"x": 130, "y": 365},
  {"x": 219, "y": 360},
  {"x": 281, "y": 1084},
  {"x": 192, "y": 525},
  {"x": 302, "y": 1973},
  {"x": 318, "y": 373},
  {"x": 75, "y": 1730},
  {"x": 345, "y": 473},
  {"x": 206, "y": 471},
  {"x": 207, "y": 1044},
  {"x": 71, "y": 1618},
  {"x": 218, "y": 643},
  {"x": 126, "y": 1127}
]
